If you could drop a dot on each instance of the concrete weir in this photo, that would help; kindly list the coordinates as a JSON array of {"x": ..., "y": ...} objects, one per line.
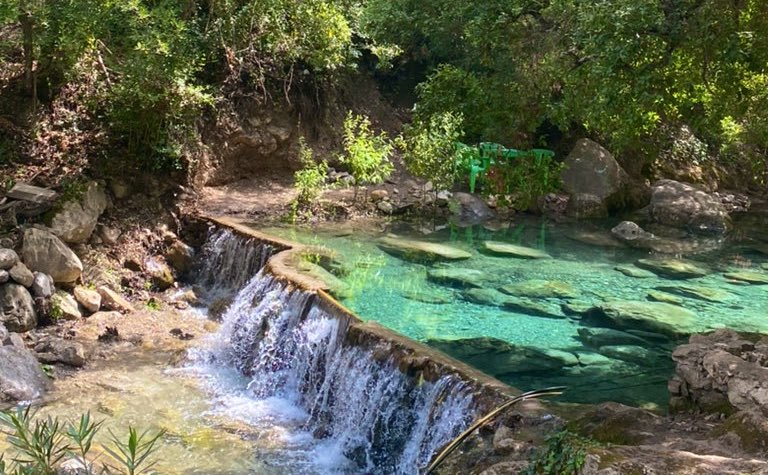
[{"x": 413, "y": 359}]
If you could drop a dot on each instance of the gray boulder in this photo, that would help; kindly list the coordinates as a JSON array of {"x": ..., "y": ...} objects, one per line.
[
  {"x": 42, "y": 286},
  {"x": 77, "y": 219},
  {"x": 685, "y": 207},
  {"x": 17, "y": 309},
  {"x": 469, "y": 209},
  {"x": 586, "y": 206},
  {"x": 21, "y": 274},
  {"x": 4, "y": 276},
  {"x": 8, "y": 258},
  {"x": 44, "y": 252},
  {"x": 595, "y": 179},
  {"x": 21, "y": 377},
  {"x": 56, "y": 350},
  {"x": 66, "y": 306}
]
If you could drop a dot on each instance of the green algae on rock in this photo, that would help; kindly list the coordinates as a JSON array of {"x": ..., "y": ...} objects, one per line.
[
  {"x": 512, "y": 250},
  {"x": 697, "y": 292},
  {"x": 754, "y": 278},
  {"x": 672, "y": 268},
  {"x": 655, "y": 317},
  {"x": 543, "y": 289},
  {"x": 632, "y": 271},
  {"x": 421, "y": 251}
]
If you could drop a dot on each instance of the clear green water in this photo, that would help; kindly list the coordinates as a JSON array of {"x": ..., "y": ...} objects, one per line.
[{"x": 397, "y": 293}]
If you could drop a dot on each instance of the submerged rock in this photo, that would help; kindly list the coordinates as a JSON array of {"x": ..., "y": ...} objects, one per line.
[
  {"x": 512, "y": 250},
  {"x": 544, "y": 289},
  {"x": 486, "y": 296},
  {"x": 632, "y": 271},
  {"x": 498, "y": 357},
  {"x": 595, "y": 337},
  {"x": 530, "y": 307},
  {"x": 635, "y": 354},
  {"x": 435, "y": 298},
  {"x": 457, "y": 277},
  {"x": 672, "y": 268},
  {"x": 656, "y": 317},
  {"x": 658, "y": 296},
  {"x": 754, "y": 278},
  {"x": 57, "y": 350},
  {"x": 21, "y": 377},
  {"x": 421, "y": 251},
  {"x": 698, "y": 293}
]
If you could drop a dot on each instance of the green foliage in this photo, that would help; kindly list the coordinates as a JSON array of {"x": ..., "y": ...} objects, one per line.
[
  {"x": 564, "y": 454},
  {"x": 133, "y": 454},
  {"x": 524, "y": 180},
  {"x": 309, "y": 181},
  {"x": 627, "y": 72},
  {"x": 428, "y": 148},
  {"x": 42, "y": 444},
  {"x": 365, "y": 153},
  {"x": 315, "y": 32}
]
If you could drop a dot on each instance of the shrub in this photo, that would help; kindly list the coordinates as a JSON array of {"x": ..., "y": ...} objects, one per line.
[
  {"x": 365, "y": 153},
  {"x": 308, "y": 181},
  {"x": 564, "y": 454},
  {"x": 429, "y": 148},
  {"x": 42, "y": 444}
]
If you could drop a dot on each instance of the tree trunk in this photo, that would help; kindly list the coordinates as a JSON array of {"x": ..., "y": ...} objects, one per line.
[{"x": 25, "y": 19}]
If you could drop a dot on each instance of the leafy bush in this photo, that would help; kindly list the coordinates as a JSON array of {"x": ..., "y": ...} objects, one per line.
[
  {"x": 41, "y": 445},
  {"x": 524, "y": 179},
  {"x": 365, "y": 153},
  {"x": 429, "y": 146},
  {"x": 308, "y": 181},
  {"x": 564, "y": 454}
]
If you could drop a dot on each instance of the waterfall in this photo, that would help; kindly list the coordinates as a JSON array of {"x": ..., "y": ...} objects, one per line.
[
  {"x": 229, "y": 261},
  {"x": 364, "y": 409}
]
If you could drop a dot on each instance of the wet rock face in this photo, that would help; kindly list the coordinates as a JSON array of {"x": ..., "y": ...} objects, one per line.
[
  {"x": 721, "y": 372},
  {"x": 631, "y": 233},
  {"x": 682, "y": 206}
]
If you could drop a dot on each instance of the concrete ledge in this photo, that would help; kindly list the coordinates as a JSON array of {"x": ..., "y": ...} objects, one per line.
[{"x": 412, "y": 358}]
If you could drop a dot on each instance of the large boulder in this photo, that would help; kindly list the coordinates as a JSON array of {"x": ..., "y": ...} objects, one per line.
[
  {"x": 17, "y": 309},
  {"x": 21, "y": 377},
  {"x": 683, "y": 206},
  {"x": 44, "y": 252},
  {"x": 595, "y": 179},
  {"x": 470, "y": 209},
  {"x": 77, "y": 219}
]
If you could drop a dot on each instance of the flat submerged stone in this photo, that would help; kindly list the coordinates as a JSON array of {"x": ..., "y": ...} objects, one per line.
[
  {"x": 698, "y": 293},
  {"x": 544, "y": 289},
  {"x": 754, "y": 278},
  {"x": 457, "y": 277},
  {"x": 421, "y": 251},
  {"x": 512, "y": 250},
  {"x": 656, "y": 317},
  {"x": 637, "y": 273},
  {"x": 672, "y": 268}
]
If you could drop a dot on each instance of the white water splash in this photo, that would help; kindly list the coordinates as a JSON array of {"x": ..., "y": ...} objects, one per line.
[{"x": 280, "y": 360}]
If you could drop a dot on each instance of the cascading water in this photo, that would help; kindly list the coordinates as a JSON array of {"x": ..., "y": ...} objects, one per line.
[
  {"x": 230, "y": 261},
  {"x": 364, "y": 415}
]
